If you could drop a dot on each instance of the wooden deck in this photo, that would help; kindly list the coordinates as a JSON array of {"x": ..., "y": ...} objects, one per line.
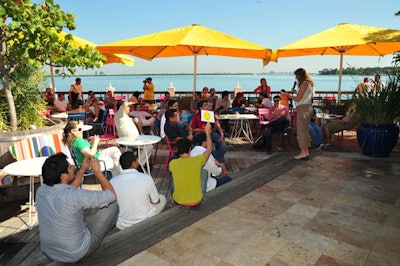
[{"x": 248, "y": 167}]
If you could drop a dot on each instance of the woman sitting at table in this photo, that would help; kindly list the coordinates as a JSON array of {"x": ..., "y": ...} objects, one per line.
[
  {"x": 239, "y": 101},
  {"x": 73, "y": 138}
]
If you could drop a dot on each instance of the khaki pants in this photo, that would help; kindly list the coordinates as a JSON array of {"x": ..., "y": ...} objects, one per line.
[{"x": 304, "y": 114}]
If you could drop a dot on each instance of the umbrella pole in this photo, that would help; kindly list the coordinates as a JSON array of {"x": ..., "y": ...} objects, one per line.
[
  {"x": 340, "y": 78},
  {"x": 194, "y": 73}
]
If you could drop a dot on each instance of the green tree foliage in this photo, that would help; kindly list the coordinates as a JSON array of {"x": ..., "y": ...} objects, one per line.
[
  {"x": 28, "y": 39},
  {"x": 29, "y": 101},
  {"x": 362, "y": 71}
]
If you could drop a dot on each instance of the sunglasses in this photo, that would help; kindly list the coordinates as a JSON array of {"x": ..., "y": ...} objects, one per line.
[
  {"x": 79, "y": 129},
  {"x": 277, "y": 101}
]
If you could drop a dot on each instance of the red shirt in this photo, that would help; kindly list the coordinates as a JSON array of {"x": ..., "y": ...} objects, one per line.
[
  {"x": 197, "y": 123},
  {"x": 275, "y": 113},
  {"x": 259, "y": 89}
]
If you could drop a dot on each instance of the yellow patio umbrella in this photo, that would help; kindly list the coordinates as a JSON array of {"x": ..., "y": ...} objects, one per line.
[
  {"x": 344, "y": 39},
  {"x": 79, "y": 42},
  {"x": 191, "y": 40}
]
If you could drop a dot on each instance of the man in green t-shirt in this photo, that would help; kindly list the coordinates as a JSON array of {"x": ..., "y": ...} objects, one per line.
[{"x": 186, "y": 171}]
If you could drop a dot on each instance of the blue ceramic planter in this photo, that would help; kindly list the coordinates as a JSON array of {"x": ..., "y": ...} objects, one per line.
[{"x": 377, "y": 140}]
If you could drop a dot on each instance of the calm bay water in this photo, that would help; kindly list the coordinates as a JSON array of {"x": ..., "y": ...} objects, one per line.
[{"x": 220, "y": 82}]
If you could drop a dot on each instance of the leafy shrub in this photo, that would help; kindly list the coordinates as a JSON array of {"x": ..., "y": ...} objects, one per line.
[{"x": 28, "y": 99}]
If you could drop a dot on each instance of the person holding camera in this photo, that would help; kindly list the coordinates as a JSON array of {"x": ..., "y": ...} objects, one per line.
[{"x": 148, "y": 88}]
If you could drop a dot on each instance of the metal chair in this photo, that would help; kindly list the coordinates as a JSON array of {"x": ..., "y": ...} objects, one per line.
[
  {"x": 120, "y": 98},
  {"x": 88, "y": 172},
  {"x": 171, "y": 150},
  {"x": 110, "y": 131},
  {"x": 262, "y": 114},
  {"x": 102, "y": 122},
  {"x": 285, "y": 131},
  {"x": 77, "y": 116}
]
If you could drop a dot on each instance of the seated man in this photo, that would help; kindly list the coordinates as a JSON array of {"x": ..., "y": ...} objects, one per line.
[
  {"x": 142, "y": 118},
  {"x": 127, "y": 128},
  {"x": 195, "y": 101},
  {"x": 278, "y": 116},
  {"x": 49, "y": 97},
  {"x": 186, "y": 172},
  {"x": 222, "y": 107},
  {"x": 164, "y": 102},
  {"x": 135, "y": 97},
  {"x": 110, "y": 101},
  {"x": 172, "y": 104},
  {"x": 137, "y": 195},
  {"x": 68, "y": 232},
  {"x": 212, "y": 166},
  {"x": 263, "y": 101},
  {"x": 205, "y": 94},
  {"x": 97, "y": 110},
  {"x": 175, "y": 130},
  {"x": 89, "y": 101},
  {"x": 334, "y": 126},
  {"x": 60, "y": 105},
  {"x": 315, "y": 131},
  {"x": 213, "y": 97},
  {"x": 219, "y": 145}
]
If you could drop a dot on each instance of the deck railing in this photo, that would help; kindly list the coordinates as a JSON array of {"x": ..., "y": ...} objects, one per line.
[{"x": 332, "y": 95}]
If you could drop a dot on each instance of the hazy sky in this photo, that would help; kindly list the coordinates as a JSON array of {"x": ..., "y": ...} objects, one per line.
[{"x": 268, "y": 23}]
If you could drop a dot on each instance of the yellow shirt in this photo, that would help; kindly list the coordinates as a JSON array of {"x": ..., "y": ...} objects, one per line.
[
  {"x": 149, "y": 93},
  {"x": 186, "y": 175}
]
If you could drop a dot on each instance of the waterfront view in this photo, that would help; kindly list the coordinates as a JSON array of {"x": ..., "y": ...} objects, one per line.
[{"x": 221, "y": 82}]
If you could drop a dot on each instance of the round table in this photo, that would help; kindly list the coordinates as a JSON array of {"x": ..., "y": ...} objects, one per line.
[
  {"x": 63, "y": 115},
  {"x": 28, "y": 167},
  {"x": 141, "y": 140}
]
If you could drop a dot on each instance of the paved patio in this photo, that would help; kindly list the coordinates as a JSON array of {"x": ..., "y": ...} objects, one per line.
[{"x": 335, "y": 209}]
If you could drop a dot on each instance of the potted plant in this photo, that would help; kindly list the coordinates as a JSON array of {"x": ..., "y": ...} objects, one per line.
[{"x": 377, "y": 111}]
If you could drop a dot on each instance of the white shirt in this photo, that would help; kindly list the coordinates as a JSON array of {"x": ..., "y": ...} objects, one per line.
[
  {"x": 60, "y": 105},
  {"x": 125, "y": 126},
  {"x": 307, "y": 95},
  {"x": 210, "y": 166},
  {"x": 266, "y": 103},
  {"x": 162, "y": 124},
  {"x": 134, "y": 191},
  {"x": 142, "y": 115}
]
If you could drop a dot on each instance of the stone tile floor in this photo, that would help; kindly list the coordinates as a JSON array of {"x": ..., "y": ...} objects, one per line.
[{"x": 334, "y": 209}]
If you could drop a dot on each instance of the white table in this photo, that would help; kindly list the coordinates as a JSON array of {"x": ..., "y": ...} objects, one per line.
[
  {"x": 140, "y": 142},
  {"x": 251, "y": 109},
  {"x": 326, "y": 117},
  {"x": 241, "y": 125},
  {"x": 63, "y": 115},
  {"x": 32, "y": 168},
  {"x": 87, "y": 127}
]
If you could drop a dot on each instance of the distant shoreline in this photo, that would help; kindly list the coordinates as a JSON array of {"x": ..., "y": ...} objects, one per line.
[
  {"x": 186, "y": 74},
  {"x": 204, "y": 74}
]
